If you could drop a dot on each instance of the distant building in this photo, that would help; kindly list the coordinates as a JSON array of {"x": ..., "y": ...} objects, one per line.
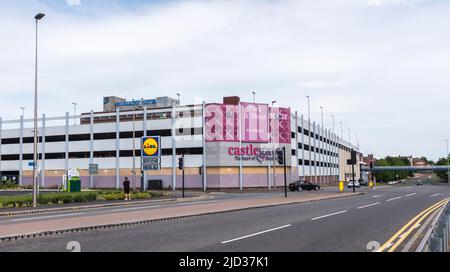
[
  {"x": 112, "y": 103},
  {"x": 419, "y": 162}
]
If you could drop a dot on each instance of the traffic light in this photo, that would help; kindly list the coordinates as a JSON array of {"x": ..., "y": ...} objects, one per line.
[
  {"x": 371, "y": 165},
  {"x": 280, "y": 156},
  {"x": 181, "y": 163},
  {"x": 200, "y": 170}
]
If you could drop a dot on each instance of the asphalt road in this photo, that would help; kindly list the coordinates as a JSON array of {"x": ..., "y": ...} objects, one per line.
[{"x": 346, "y": 224}]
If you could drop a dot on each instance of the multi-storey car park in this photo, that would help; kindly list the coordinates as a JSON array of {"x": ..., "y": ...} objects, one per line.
[{"x": 226, "y": 145}]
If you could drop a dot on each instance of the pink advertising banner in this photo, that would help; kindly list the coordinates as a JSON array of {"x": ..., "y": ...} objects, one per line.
[{"x": 259, "y": 123}]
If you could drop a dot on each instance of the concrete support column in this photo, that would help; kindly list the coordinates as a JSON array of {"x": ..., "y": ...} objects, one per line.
[
  {"x": 205, "y": 176},
  {"x": 43, "y": 152},
  {"x": 66, "y": 147},
  {"x": 174, "y": 148},
  {"x": 91, "y": 146},
  {"x": 241, "y": 182},
  {"x": 315, "y": 150},
  {"x": 310, "y": 150},
  {"x": 297, "y": 151},
  {"x": 1, "y": 127},
  {"x": 21, "y": 151},
  {"x": 117, "y": 148},
  {"x": 302, "y": 130},
  {"x": 144, "y": 127}
]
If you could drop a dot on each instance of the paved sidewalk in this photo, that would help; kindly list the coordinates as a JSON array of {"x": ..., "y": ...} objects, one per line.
[{"x": 118, "y": 218}]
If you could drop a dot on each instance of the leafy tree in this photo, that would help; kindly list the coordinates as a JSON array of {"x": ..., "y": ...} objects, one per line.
[{"x": 442, "y": 174}]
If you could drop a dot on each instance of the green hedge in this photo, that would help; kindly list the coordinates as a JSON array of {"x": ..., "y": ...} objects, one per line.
[
  {"x": 67, "y": 198},
  {"x": 47, "y": 199}
]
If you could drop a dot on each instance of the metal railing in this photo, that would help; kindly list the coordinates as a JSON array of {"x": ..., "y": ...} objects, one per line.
[{"x": 436, "y": 239}]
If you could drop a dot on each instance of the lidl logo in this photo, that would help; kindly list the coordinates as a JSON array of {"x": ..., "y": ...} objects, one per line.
[{"x": 150, "y": 147}]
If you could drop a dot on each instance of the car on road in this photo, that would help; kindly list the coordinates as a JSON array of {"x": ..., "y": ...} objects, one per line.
[
  {"x": 303, "y": 186},
  {"x": 419, "y": 183},
  {"x": 351, "y": 184}
]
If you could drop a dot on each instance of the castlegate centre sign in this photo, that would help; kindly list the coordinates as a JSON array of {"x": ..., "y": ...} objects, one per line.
[{"x": 250, "y": 152}]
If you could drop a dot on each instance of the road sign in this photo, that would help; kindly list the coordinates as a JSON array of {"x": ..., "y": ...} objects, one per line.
[
  {"x": 31, "y": 164},
  {"x": 151, "y": 153},
  {"x": 93, "y": 169},
  {"x": 151, "y": 146},
  {"x": 150, "y": 167}
]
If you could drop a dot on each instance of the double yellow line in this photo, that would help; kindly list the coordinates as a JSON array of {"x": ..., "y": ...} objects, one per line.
[{"x": 402, "y": 234}]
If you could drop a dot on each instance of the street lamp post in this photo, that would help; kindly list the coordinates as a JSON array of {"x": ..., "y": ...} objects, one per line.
[
  {"x": 35, "y": 158},
  {"x": 74, "y": 112},
  {"x": 309, "y": 137},
  {"x": 273, "y": 157},
  {"x": 448, "y": 164},
  {"x": 23, "y": 110},
  {"x": 254, "y": 97},
  {"x": 134, "y": 149},
  {"x": 322, "y": 171},
  {"x": 178, "y": 94}
]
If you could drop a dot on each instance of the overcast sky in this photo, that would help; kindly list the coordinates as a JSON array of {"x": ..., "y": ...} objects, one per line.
[{"x": 382, "y": 67}]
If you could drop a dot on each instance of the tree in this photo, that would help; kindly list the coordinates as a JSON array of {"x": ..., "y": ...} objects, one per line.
[{"x": 442, "y": 174}]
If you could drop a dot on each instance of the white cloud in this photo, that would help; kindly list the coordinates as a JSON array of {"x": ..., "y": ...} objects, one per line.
[{"x": 73, "y": 2}]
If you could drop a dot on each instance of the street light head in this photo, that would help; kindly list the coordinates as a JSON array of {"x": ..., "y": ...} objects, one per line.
[{"x": 39, "y": 16}]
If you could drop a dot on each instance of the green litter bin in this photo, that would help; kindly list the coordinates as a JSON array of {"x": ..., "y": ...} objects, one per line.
[{"x": 74, "y": 185}]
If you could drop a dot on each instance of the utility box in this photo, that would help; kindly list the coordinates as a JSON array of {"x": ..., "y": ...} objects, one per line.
[
  {"x": 74, "y": 185},
  {"x": 74, "y": 182},
  {"x": 155, "y": 184}
]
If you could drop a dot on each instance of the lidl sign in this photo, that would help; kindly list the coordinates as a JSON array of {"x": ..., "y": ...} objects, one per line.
[{"x": 151, "y": 147}]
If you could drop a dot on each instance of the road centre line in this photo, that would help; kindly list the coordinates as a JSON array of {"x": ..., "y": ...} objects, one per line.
[
  {"x": 327, "y": 215},
  {"x": 370, "y": 205},
  {"x": 438, "y": 194},
  {"x": 375, "y": 196},
  {"x": 395, "y": 198},
  {"x": 257, "y": 233},
  {"x": 411, "y": 194},
  {"x": 44, "y": 217}
]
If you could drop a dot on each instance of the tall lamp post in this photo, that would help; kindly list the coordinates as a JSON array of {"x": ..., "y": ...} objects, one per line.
[
  {"x": 74, "y": 112},
  {"x": 37, "y": 18},
  {"x": 448, "y": 163},
  {"x": 309, "y": 137},
  {"x": 254, "y": 97},
  {"x": 23, "y": 110}
]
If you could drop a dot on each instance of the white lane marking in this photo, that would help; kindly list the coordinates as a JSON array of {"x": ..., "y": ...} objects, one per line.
[
  {"x": 45, "y": 217},
  {"x": 392, "y": 199},
  {"x": 438, "y": 194},
  {"x": 136, "y": 208},
  {"x": 254, "y": 234},
  {"x": 327, "y": 215},
  {"x": 411, "y": 194},
  {"x": 367, "y": 206},
  {"x": 375, "y": 196}
]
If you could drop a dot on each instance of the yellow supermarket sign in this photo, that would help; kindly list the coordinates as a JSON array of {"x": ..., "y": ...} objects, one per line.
[{"x": 151, "y": 146}]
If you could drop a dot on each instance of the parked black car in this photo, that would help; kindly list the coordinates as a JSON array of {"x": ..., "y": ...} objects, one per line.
[{"x": 303, "y": 186}]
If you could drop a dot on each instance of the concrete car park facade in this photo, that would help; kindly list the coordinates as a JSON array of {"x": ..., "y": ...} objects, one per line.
[{"x": 226, "y": 145}]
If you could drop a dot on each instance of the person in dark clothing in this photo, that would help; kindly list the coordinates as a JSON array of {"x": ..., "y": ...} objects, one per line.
[{"x": 126, "y": 189}]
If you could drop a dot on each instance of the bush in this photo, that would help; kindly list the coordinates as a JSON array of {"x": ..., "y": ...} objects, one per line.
[{"x": 8, "y": 184}]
